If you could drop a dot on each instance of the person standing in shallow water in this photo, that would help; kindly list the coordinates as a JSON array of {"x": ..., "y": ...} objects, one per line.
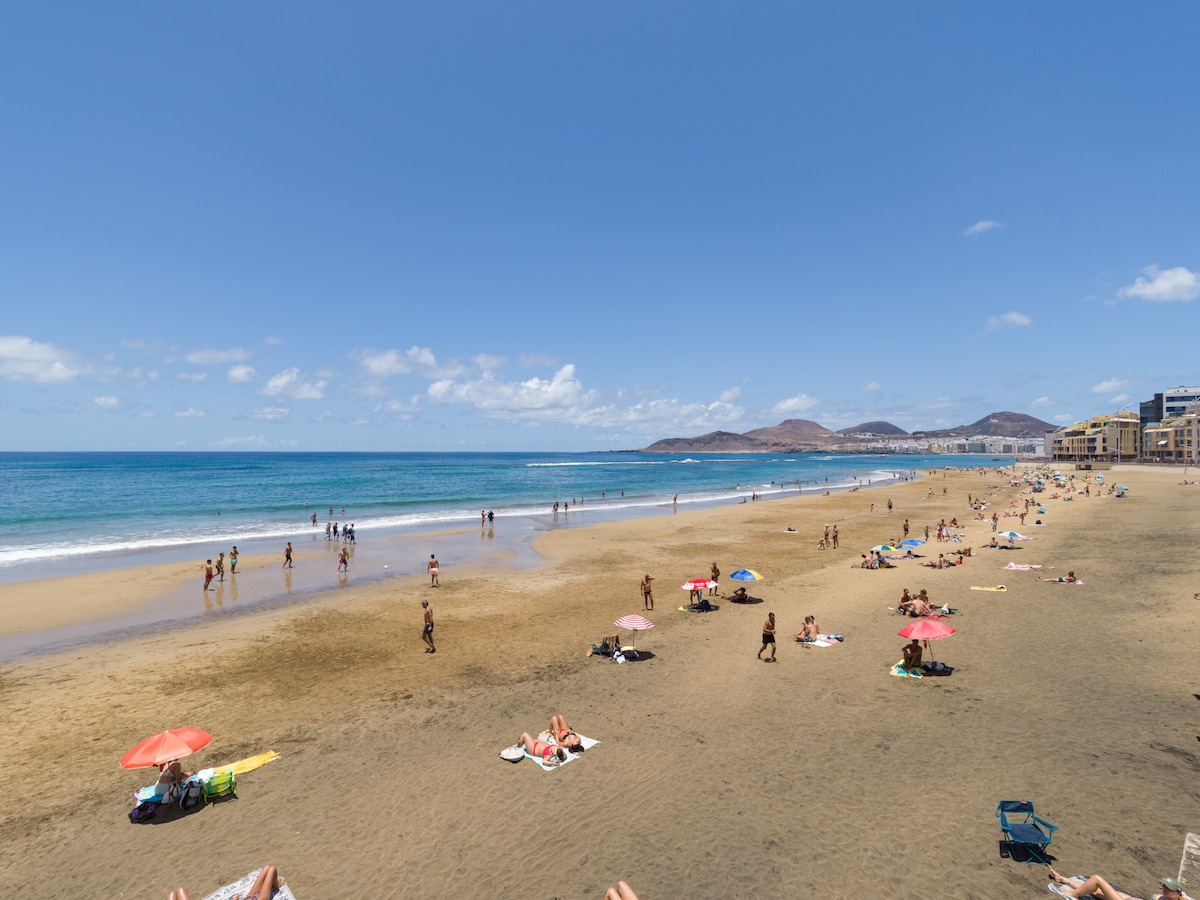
[
  {"x": 287, "y": 557},
  {"x": 233, "y": 560}
]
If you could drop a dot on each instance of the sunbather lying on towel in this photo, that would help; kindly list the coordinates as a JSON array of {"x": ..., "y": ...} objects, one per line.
[
  {"x": 551, "y": 753},
  {"x": 563, "y": 734},
  {"x": 266, "y": 884},
  {"x": 1097, "y": 886},
  {"x": 738, "y": 596},
  {"x": 1069, "y": 579}
]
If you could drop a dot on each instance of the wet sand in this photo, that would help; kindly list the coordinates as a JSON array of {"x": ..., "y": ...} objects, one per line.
[{"x": 716, "y": 776}]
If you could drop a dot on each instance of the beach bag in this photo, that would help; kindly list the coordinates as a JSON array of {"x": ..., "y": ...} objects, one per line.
[
  {"x": 142, "y": 812},
  {"x": 618, "y": 656},
  {"x": 192, "y": 795}
]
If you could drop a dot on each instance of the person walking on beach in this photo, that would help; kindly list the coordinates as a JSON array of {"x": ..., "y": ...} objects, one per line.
[
  {"x": 716, "y": 575},
  {"x": 287, "y": 557},
  {"x": 328, "y": 530},
  {"x": 906, "y": 529},
  {"x": 343, "y": 562},
  {"x": 208, "y": 573},
  {"x": 233, "y": 561},
  {"x": 221, "y": 567},
  {"x": 427, "y": 634},
  {"x": 768, "y": 637},
  {"x": 647, "y": 592},
  {"x": 432, "y": 568}
]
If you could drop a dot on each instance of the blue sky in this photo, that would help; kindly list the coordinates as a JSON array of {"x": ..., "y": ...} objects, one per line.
[{"x": 539, "y": 226}]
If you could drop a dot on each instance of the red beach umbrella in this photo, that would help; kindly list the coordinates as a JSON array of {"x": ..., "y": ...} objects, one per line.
[
  {"x": 172, "y": 744},
  {"x": 926, "y": 630},
  {"x": 698, "y": 584}
]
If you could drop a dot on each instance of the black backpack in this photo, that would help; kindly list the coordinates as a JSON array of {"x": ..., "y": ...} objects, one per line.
[{"x": 192, "y": 794}]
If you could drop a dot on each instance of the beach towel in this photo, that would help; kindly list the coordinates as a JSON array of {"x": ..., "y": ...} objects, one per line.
[
  {"x": 900, "y": 672},
  {"x": 1189, "y": 865},
  {"x": 1061, "y": 889},
  {"x": 242, "y": 886},
  {"x": 249, "y": 764},
  {"x": 587, "y": 743},
  {"x": 998, "y": 587},
  {"x": 824, "y": 640}
]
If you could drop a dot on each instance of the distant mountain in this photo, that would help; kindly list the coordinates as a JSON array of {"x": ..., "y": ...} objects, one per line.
[
  {"x": 999, "y": 424},
  {"x": 886, "y": 428},
  {"x": 800, "y": 435},
  {"x": 790, "y": 431},
  {"x": 713, "y": 442}
]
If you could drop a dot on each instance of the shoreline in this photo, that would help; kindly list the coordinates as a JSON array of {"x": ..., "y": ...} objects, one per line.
[
  {"x": 729, "y": 764},
  {"x": 163, "y": 595}
]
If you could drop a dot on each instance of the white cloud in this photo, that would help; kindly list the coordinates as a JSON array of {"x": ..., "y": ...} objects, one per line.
[
  {"x": 1064, "y": 417},
  {"x": 1107, "y": 387},
  {"x": 1120, "y": 398},
  {"x": 196, "y": 377},
  {"x": 270, "y": 414},
  {"x": 107, "y": 402},
  {"x": 24, "y": 359},
  {"x": 217, "y": 357},
  {"x": 1162, "y": 286},
  {"x": 190, "y": 413},
  {"x": 515, "y": 398},
  {"x": 272, "y": 340},
  {"x": 799, "y": 403},
  {"x": 386, "y": 363},
  {"x": 241, "y": 374},
  {"x": 396, "y": 408},
  {"x": 486, "y": 362},
  {"x": 288, "y": 384},
  {"x": 1040, "y": 402},
  {"x": 872, "y": 386},
  {"x": 251, "y": 440},
  {"x": 981, "y": 226},
  {"x": 530, "y": 360},
  {"x": 937, "y": 403},
  {"x": 1009, "y": 320},
  {"x": 730, "y": 395}
]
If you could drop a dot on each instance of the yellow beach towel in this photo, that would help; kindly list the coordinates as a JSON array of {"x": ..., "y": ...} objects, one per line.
[
  {"x": 249, "y": 764},
  {"x": 998, "y": 587}
]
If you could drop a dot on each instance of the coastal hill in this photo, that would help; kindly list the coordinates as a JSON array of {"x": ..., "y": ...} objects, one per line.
[
  {"x": 799, "y": 435},
  {"x": 999, "y": 424}
]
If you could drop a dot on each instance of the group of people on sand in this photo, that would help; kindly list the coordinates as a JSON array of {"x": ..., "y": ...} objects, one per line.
[
  {"x": 553, "y": 744},
  {"x": 917, "y": 606}
]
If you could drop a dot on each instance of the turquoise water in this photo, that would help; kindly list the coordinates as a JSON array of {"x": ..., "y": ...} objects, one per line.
[{"x": 72, "y": 512}]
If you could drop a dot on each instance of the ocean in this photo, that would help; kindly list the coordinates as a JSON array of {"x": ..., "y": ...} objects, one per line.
[{"x": 66, "y": 513}]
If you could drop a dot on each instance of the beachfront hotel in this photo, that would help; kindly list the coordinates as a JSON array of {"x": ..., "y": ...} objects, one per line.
[
  {"x": 1174, "y": 439},
  {"x": 1114, "y": 438}
]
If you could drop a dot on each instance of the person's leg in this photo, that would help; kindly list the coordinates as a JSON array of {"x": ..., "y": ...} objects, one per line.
[
  {"x": 558, "y": 725},
  {"x": 772, "y": 651},
  {"x": 761, "y": 649},
  {"x": 179, "y": 894}
]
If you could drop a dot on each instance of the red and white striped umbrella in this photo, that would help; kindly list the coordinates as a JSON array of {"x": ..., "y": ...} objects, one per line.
[
  {"x": 698, "y": 584},
  {"x": 634, "y": 623}
]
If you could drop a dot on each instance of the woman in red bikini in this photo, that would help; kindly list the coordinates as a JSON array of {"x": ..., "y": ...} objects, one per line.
[
  {"x": 563, "y": 734},
  {"x": 551, "y": 754}
]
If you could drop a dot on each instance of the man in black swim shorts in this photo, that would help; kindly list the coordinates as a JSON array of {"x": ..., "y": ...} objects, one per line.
[{"x": 768, "y": 637}]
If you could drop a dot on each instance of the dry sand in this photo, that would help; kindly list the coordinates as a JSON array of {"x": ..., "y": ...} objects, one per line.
[{"x": 717, "y": 776}]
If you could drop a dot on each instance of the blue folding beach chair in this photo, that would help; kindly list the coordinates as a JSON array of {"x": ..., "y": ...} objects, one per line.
[{"x": 1024, "y": 831}]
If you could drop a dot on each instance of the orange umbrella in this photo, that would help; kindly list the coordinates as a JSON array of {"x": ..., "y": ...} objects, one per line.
[{"x": 164, "y": 747}]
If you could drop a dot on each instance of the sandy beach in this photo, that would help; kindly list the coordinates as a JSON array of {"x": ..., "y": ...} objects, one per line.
[{"x": 716, "y": 775}]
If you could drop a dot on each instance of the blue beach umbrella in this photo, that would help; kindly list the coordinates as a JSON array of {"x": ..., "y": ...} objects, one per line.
[
  {"x": 745, "y": 575},
  {"x": 912, "y": 542}
]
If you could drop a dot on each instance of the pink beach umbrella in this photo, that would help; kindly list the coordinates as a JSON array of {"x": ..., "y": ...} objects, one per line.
[
  {"x": 634, "y": 623},
  {"x": 926, "y": 630}
]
